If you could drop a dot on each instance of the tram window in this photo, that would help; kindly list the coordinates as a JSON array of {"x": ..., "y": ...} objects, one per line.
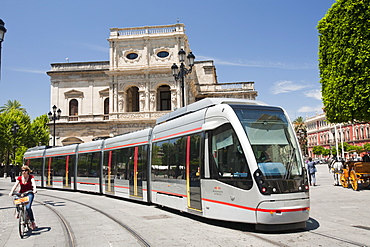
[
  {"x": 227, "y": 159},
  {"x": 168, "y": 159},
  {"x": 119, "y": 162},
  {"x": 272, "y": 140},
  {"x": 60, "y": 165},
  {"x": 35, "y": 165},
  {"x": 88, "y": 165}
]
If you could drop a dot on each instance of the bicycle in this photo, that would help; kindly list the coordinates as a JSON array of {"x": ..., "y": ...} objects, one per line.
[{"x": 21, "y": 200}]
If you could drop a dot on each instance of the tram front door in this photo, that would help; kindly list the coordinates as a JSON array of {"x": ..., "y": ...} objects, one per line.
[{"x": 193, "y": 172}]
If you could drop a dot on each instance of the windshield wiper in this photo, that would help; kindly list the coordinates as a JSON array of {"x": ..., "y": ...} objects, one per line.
[{"x": 289, "y": 165}]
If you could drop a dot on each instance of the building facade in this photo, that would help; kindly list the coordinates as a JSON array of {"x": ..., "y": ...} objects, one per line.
[
  {"x": 135, "y": 87},
  {"x": 327, "y": 135}
]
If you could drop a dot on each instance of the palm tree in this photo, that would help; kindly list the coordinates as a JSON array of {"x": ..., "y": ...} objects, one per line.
[
  {"x": 15, "y": 104},
  {"x": 299, "y": 124},
  {"x": 301, "y": 132}
]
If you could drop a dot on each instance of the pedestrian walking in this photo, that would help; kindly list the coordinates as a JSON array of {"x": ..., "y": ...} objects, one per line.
[{"x": 311, "y": 169}]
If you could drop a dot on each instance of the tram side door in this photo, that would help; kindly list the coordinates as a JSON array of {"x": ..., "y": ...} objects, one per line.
[
  {"x": 135, "y": 179},
  {"x": 193, "y": 172}
]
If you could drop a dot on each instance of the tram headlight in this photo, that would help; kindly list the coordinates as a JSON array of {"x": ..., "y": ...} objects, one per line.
[{"x": 261, "y": 183}]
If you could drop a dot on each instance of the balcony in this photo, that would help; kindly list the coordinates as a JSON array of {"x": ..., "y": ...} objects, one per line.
[{"x": 123, "y": 116}]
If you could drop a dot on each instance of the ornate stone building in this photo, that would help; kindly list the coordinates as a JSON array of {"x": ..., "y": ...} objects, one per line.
[{"x": 134, "y": 88}]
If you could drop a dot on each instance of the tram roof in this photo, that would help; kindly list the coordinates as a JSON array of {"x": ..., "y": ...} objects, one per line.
[{"x": 204, "y": 103}]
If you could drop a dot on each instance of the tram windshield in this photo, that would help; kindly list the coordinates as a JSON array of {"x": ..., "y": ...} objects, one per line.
[{"x": 272, "y": 140}]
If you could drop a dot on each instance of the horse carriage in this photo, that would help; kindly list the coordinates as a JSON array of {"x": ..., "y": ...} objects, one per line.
[
  {"x": 355, "y": 173},
  {"x": 351, "y": 173}
]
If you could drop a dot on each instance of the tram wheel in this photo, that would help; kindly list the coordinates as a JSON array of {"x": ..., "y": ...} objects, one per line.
[
  {"x": 353, "y": 180},
  {"x": 343, "y": 181}
]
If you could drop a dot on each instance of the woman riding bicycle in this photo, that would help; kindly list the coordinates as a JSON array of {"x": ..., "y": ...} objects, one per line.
[{"x": 27, "y": 182}]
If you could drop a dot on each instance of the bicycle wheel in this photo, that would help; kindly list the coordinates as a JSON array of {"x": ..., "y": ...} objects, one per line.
[{"x": 22, "y": 221}]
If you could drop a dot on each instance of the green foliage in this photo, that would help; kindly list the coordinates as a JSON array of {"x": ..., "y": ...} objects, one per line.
[
  {"x": 318, "y": 150},
  {"x": 28, "y": 134},
  {"x": 12, "y": 105},
  {"x": 367, "y": 146},
  {"x": 326, "y": 152},
  {"x": 39, "y": 131},
  {"x": 301, "y": 133},
  {"x": 344, "y": 61}
]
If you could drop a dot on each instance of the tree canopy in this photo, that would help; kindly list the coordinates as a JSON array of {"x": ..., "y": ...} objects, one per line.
[
  {"x": 344, "y": 61},
  {"x": 29, "y": 133},
  {"x": 12, "y": 105}
]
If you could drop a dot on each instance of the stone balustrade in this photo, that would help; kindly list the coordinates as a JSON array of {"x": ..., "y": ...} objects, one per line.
[
  {"x": 102, "y": 65},
  {"x": 139, "y": 31},
  {"x": 227, "y": 87},
  {"x": 124, "y": 116}
]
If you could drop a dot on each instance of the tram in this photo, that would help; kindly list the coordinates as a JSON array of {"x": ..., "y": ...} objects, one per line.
[{"x": 220, "y": 158}]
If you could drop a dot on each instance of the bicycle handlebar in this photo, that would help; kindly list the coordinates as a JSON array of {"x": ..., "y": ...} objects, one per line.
[{"x": 22, "y": 194}]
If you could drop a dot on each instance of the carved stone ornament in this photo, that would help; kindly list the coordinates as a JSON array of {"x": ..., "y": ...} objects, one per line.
[
  {"x": 73, "y": 94},
  {"x": 157, "y": 58},
  {"x": 127, "y": 60}
]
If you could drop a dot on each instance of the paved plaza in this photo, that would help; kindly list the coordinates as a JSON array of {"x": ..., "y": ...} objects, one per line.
[{"x": 338, "y": 217}]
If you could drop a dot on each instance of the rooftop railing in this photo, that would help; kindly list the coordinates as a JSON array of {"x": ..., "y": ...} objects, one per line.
[
  {"x": 80, "y": 66},
  {"x": 115, "y": 32}
]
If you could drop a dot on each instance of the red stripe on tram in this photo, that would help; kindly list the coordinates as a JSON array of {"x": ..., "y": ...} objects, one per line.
[
  {"x": 179, "y": 133},
  {"x": 258, "y": 209}
]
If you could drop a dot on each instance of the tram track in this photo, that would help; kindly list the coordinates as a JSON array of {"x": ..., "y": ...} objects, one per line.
[
  {"x": 267, "y": 239},
  {"x": 70, "y": 234},
  {"x": 342, "y": 240},
  {"x": 282, "y": 243},
  {"x": 71, "y": 240}
]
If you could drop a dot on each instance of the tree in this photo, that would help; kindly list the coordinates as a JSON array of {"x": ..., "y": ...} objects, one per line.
[
  {"x": 318, "y": 150},
  {"x": 14, "y": 145},
  {"x": 10, "y": 142},
  {"x": 11, "y": 105},
  {"x": 301, "y": 132},
  {"x": 299, "y": 124},
  {"x": 344, "y": 61},
  {"x": 367, "y": 146},
  {"x": 39, "y": 131}
]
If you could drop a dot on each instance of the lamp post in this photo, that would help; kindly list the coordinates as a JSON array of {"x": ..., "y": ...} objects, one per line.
[
  {"x": 53, "y": 117},
  {"x": 2, "y": 34},
  {"x": 334, "y": 132},
  {"x": 180, "y": 75},
  {"x": 14, "y": 130}
]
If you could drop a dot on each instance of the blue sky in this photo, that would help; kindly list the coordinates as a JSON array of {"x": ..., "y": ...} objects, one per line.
[{"x": 271, "y": 42}]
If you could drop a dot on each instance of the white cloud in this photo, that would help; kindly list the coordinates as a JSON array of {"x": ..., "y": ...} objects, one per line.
[
  {"x": 315, "y": 93},
  {"x": 257, "y": 64},
  {"x": 96, "y": 47},
  {"x": 286, "y": 87},
  {"x": 306, "y": 109},
  {"x": 29, "y": 71}
]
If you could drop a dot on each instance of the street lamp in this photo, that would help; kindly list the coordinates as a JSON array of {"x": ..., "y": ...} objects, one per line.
[
  {"x": 334, "y": 132},
  {"x": 183, "y": 71},
  {"x": 53, "y": 117},
  {"x": 14, "y": 130},
  {"x": 2, "y": 34}
]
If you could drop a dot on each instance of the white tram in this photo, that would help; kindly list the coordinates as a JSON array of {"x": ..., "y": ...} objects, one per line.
[{"x": 220, "y": 158}]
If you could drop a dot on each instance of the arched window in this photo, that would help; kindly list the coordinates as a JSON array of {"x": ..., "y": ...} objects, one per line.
[
  {"x": 164, "y": 95},
  {"x": 106, "y": 106},
  {"x": 132, "y": 99},
  {"x": 73, "y": 107}
]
